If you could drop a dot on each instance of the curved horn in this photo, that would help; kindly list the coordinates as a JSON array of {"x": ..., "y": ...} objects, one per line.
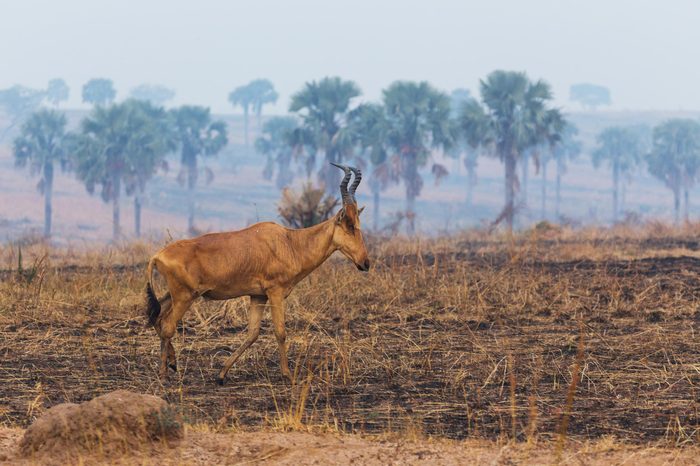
[
  {"x": 355, "y": 182},
  {"x": 347, "y": 197}
]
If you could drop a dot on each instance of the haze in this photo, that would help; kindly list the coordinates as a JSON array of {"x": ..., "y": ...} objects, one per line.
[{"x": 644, "y": 51}]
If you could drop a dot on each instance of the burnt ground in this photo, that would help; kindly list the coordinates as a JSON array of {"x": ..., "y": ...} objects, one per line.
[{"x": 469, "y": 345}]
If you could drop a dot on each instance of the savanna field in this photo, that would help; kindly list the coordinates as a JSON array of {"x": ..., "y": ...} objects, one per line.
[{"x": 554, "y": 345}]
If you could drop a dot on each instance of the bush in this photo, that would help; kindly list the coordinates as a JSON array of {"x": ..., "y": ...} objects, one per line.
[{"x": 305, "y": 209}]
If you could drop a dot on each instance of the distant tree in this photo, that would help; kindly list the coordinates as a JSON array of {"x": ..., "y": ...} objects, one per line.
[
  {"x": 675, "y": 158},
  {"x": 568, "y": 148},
  {"x": 621, "y": 148},
  {"x": 368, "y": 125},
  {"x": 100, "y": 156},
  {"x": 274, "y": 144},
  {"x": 153, "y": 93},
  {"x": 514, "y": 118},
  {"x": 244, "y": 97},
  {"x": 469, "y": 155},
  {"x": 99, "y": 91},
  {"x": 120, "y": 145},
  {"x": 418, "y": 120},
  {"x": 589, "y": 95},
  {"x": 18, "y": 102},
  {"x": 154, "y": 139},
  {"x": 323, "y": 107},
  {"x": 57, "y": 91},
  {"x": 42, "y": 143},
  {"x": 264, "y": 93},
  {"x": 198, "y": 136}
]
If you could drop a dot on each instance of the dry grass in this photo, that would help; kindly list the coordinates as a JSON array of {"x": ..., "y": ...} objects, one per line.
[{"x": 590, "y": 333}]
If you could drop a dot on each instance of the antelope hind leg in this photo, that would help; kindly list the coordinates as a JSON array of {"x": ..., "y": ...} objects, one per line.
[
  {"x": 168, "y": 325},
  {"x": 166, "y": 303}
]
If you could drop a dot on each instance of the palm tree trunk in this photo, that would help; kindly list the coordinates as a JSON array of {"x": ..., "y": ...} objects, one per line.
[
  {"x": 471, "y": 181},
  {"x": 375, "y": 219},
  {"x": 685, "y": 203},
  {"x": 191, "y": 182},
  {"x": 258, "y": 115},
  {"x": 676, "y": 203},
  {"x": 558, "y": 188},
  {"x": 48, "y": 194},
  {"x": 623, "y": 196},
  {"x": 116, "y": 186},
  {"x": 616, "y": 188},
  {"x": 411, "y": 179},
  {"x": 137, "y": 213},
  {"x": 544, "y": 190},
  {"x": 510, "y": 190},
  {"x": 245, "y": 125},
  {"x": 526, "y": 166}
]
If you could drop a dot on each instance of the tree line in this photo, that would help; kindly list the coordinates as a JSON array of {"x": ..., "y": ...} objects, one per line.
[
  {"x": 117, "y": 150},
  {"x": 119, "y": 147}
]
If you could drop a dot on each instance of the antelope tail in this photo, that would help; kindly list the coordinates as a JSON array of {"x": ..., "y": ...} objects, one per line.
[{"x": 152, "y": 304}]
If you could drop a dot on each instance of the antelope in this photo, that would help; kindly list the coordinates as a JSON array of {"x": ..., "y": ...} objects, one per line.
[{"x": 264, "y": 261}]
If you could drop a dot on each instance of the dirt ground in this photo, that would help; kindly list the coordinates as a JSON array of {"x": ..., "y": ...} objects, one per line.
[
  {"x": 466, "y": 339},
  {"x": 295, "y": 448}
]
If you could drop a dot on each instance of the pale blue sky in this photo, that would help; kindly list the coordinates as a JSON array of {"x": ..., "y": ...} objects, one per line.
[{"x": 645, "y": 51}]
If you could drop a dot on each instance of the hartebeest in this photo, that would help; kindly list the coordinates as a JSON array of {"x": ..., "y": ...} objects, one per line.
[{"x": 264, "y": 261}]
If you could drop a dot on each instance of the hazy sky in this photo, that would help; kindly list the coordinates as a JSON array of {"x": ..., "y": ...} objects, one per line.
[{"x": 646, "y": 52}]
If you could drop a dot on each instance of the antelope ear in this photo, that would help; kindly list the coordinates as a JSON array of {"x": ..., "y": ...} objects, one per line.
[
  {"x": 340, "y": 216},
  {"x": 361, "y": 209}
]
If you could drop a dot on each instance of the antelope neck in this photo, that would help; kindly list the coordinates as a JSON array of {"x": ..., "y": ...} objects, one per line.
[{"x": 313, "y": 245}]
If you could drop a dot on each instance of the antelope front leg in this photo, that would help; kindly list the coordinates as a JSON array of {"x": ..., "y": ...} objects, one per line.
[
  {"x": 277, "y": 304},
  {"x": 257, "y": 303}
]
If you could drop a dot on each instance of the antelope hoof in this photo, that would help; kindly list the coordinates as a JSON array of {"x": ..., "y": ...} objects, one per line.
[
  {"x": 173, "y": 366},
  {"x": 220, "y": 381}
]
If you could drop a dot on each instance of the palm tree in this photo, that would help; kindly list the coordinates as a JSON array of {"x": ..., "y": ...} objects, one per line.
[
  {"x": 263, "y": 92},
  {"x": 198, "y": 136},
  {"x": 514, "y": 117},
  {"x": 100, "y": 155},
  {"x": 274, "y": 144},
  {"x": 99, "y": 91},
  {"x": 121, "y": 144},
  {"x": 418, "y": 120},
  {"x": 244, "y": 97},
  {"x": 323, "y": 107},
  {"x": 675, "y": 158},
  {"x": 147, "y": 150},
  {"x": 621, "y": 148},
  {"x": 368, "y": 124},
  {"x": 42, "y": 143},
  {"x": 458, "y": 99},
  {"x": 568, "y": 148}
]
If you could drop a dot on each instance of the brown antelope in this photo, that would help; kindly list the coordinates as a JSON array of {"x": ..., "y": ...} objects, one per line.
[{"x": 264, "y": 261}]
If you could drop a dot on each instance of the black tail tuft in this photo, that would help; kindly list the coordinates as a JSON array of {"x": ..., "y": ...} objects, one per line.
[{"x": 152, "y": 305}]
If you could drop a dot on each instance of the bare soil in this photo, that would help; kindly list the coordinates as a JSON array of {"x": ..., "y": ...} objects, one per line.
[{"x": 301, "y": 448}]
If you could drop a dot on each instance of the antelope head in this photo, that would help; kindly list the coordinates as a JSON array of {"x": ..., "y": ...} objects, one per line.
[{"x": 347, "y": 235}]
